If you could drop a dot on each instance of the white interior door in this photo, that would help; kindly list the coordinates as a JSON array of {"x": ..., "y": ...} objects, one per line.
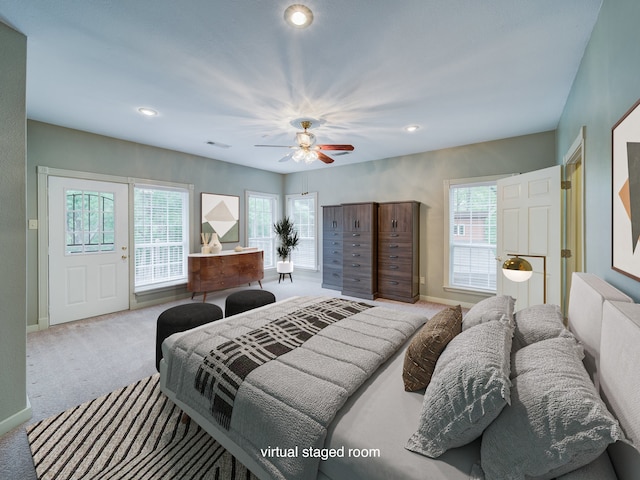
[
  {"x": 88, "y": 248},
  {"x": 529, "y": 223}
]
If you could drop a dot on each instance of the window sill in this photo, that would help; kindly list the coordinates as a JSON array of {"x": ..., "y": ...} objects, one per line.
[
  {"x": 470, "y": 291},
  {"x": 159, "y": 287}
]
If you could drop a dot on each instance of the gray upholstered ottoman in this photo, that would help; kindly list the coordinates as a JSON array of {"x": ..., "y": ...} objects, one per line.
[
  {"x": 244, "y": 300},
  {"x": 183, "y": 317}
]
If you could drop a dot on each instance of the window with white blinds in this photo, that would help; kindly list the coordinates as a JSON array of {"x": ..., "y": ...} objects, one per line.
[
  {"x": 301, "y": 209},
  {"x": 161, "y": 235},
  {"x": 472, "y": 233},
  {"x": 261, "y": 215}
]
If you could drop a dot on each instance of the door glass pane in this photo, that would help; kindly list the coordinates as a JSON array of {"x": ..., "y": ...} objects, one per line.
[{"x": 90, "y": 222}]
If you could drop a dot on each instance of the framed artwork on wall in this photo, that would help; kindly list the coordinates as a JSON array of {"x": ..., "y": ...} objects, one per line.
[
  {"x": 625, "y": 176},
  {"x": 220, "y": 214}
]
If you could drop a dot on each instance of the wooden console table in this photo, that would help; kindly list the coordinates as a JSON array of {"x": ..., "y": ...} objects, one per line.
[{"x": 208, "y": 273}]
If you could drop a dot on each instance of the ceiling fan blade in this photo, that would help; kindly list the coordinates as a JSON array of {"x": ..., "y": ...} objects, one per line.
[
  {"x": 335, "y": 147},
  {"x": 324, "y": 158},
  {"x": 286, "y": 158},
  {"x": 277, "y": 146}
]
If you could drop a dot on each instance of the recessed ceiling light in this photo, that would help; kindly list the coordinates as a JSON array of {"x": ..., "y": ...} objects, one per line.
[
  {"x": 412, "y": 128},
  {"x": 149, "y": 112},
  {"x": 298, "y": 16}
]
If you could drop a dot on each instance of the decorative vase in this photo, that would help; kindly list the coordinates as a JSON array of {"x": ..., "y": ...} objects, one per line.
[
  {"x": 206, "y": 250},
  {"x": 214, "y": 244}
]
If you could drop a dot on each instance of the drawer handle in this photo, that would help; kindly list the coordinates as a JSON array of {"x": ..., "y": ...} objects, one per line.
[
  {"x": 355, "y": 254},
  {"x": 336, "y": 243},
  {"x": 355, "y": 264},
  {"x": 393, "y": 267},
  {"x": 355, "y": 234},
  {"x": 337, "y": 261},
  {"x": 393, "y": 245},
  {"x": 336, "y": 251},
  {"x": 393, "y": 256},
  {"x": 355, "y": 244},
  {"x": 394, "y": 235},
  {"x": 394, "y": 283},
  {"x": 336, "y": 274},
  {"x": 355, "y": 279}
]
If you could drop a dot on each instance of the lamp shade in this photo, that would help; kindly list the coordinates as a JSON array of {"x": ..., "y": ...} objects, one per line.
[{"x": 517, "y": 269}]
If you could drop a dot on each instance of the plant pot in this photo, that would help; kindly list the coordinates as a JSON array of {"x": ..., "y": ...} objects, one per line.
[{"x": 284, "y": 267}]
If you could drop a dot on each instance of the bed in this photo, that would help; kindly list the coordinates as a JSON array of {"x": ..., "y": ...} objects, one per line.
[{"x": 364, "y": 433}]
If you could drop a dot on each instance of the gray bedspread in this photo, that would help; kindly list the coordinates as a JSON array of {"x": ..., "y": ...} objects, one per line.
[{"x": 282, "y": 407}]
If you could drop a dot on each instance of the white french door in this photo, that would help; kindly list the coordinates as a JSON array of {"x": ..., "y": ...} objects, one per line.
[
  {"x": 529, "y": 221},
  {"x": 88, "y": 248}
]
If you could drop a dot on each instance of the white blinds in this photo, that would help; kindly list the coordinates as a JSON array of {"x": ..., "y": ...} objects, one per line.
[
  {"x": 472, "y": 235},
  {"x": 302, "y": 210},
  {"x": 161, "y": 239},
  {"x": 261, "y": 215}
]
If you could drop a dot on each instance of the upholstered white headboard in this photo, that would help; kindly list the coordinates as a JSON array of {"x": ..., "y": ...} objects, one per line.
[
  {"x": 619, "y": 373},
  {"x": 586, "y": 299},
  {"x": 607, "y": 323}
]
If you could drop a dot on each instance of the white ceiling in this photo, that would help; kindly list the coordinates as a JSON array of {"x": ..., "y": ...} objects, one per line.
[{"x": 232, "y": 71}]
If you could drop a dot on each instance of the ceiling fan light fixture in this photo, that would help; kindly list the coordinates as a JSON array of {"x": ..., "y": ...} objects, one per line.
[
  {"x": 305, "y": 139},
  {"x": 412, "y": 128},
  {"x": 310, "y": 157},
  {"x": 298, "y": 16},
  {"x": 298, "y": 155}
]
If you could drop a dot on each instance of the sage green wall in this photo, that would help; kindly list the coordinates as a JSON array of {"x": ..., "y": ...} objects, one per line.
[
  {"x": 57, "y": 147},
  {"x": 13, "y": 336},
  {"x": 420, "y": 177},
  {"x": 605, "y": 87}
]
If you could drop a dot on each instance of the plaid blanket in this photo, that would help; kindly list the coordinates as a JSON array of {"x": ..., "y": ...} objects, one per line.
[{"x": 222, "y": 372}]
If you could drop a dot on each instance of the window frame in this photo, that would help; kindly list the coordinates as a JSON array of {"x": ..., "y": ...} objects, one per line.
[
  {"x": 448, "y": 232},
  {"x": 289, "y": 199},
  {"x": 275, "y": 200},
  {"x": 186, "y": 231}
]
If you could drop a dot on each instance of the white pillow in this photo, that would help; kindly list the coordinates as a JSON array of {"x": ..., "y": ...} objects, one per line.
[
  {"x": 468, "y": 389},
  {"x": 556, "y": 422},
  {"x": 493, "y": 308}
]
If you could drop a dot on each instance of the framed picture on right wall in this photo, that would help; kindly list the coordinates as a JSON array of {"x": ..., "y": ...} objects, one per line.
[{"x": 625, "y": 178}]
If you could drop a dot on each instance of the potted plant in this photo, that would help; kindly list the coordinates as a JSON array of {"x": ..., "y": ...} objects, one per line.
[{"x": 288, "y": 237}]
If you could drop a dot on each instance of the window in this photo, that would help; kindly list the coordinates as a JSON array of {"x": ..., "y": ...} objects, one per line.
[
  {"x": 302, "y": 210},
  {"x": 90, "y": 224},
  {"x": 458, "y": 230},
  {"x": 261, "y": 215},
  {"x": 161, "y": 237},
  {"x": 472, "y": 234}
]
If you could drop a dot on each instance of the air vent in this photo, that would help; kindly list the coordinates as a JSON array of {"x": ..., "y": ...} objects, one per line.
[{"x": 218, "y": 144}]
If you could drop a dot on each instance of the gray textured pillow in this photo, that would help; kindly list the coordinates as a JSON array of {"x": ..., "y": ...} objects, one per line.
[
  {"x": 599, "y": 469},
  {"x": 556, "y": 422},
  {"x": 426, "y": 346},
  {"x": 469, "y": 388},
  {"x": 536, "y": 323},
  {"x": 492, "y": 308}
]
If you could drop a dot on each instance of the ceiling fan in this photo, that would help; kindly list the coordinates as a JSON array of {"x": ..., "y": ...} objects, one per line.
[{"x": 307, "y": 150}]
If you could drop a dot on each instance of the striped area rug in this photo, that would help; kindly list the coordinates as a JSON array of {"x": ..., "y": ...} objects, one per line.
[{"x": 132, "y": 433}]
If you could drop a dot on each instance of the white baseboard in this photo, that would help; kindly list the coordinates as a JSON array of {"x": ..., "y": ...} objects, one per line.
[{"x": 16, "y": 419}]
